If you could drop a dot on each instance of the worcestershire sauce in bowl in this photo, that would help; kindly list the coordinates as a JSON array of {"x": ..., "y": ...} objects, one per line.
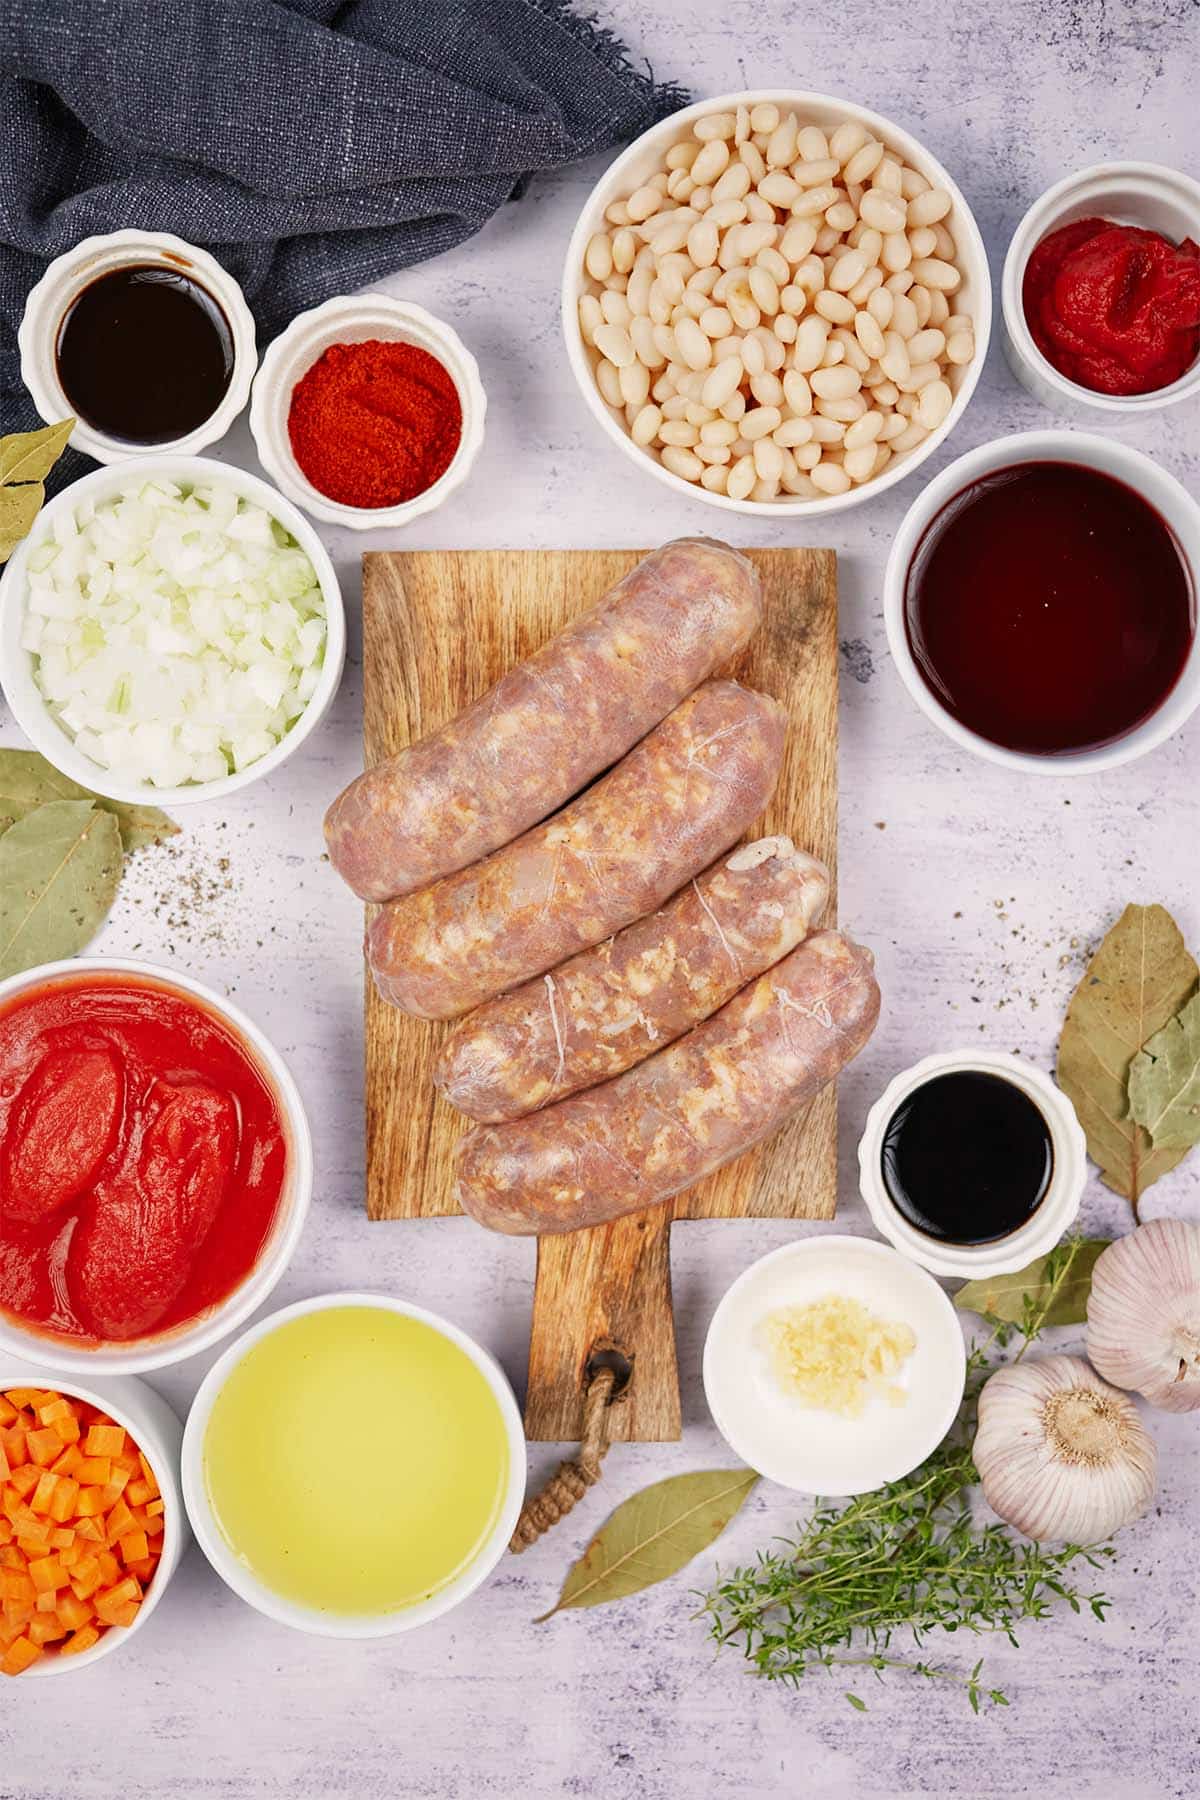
[
  {"x": 145, "y": 354},
  {"x": 1049, "y": 608},
  {"x": 967, "y": 1158}
]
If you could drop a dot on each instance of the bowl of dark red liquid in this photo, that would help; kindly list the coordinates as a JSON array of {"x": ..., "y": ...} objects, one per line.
[
  {"x": 145, "y": 340},
  {"x": 972, "y": 1163},
  {"x": 1040, "y": 602}
]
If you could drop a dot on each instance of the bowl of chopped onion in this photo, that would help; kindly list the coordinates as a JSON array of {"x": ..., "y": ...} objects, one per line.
[{"x": 172, "y": 628}]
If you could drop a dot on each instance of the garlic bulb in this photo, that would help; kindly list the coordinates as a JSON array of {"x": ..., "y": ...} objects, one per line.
[
  {"x": 1062, "y": 1455},
  {"x": 1144, "y": 1313}
]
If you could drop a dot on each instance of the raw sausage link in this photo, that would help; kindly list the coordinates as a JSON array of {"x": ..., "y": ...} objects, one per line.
[
  {"x": 681, "y": 1114},
  {"x": 681, "y": 797},
  {"x": 550, "y": 725},
  {"x": 609, "y": 1007}
]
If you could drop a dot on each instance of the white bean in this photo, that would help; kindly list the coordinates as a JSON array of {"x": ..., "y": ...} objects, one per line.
[
  {"x": 723, "y": 381},
  {"x": 764, "y": 490},
  {"x": 813, "y": 201},
  {"x": 694, "y": 347},
  {"x": 713, "y": 478},
  {"x": 827, "y": 430},
  {"x": 718, "y": 432},
  {"x": 834, "y": 307},
  {"x": 864, "y": 430},
  {"x": 866, "y": 159},
  {"x": 597, "y": 258},
  {"x": 887, "y": 176},
  {"x": 683, "y": 154},
  {"x": 608, "y": 380},
  {"x": 764, "y": 290},
  {"x": 781, "y": 147},
  {"x": 784, "y": 326},
  {"x": 680, "y": 432},
  {"x": 960, "y": 348},
  {"x": 617, "y": 213},
  {"x": 764, "y": 117},
  {"x": 909, "y": 438},
  {"x": 846, "y": 411},
  {"x": 682, "y": 462},
  {"x": 895, "y": 362},
  {"x": 590, "y": 315},
  {"x": 945, "y": 246},
  {"x": 840, "y": 216},
  {"x": 830, "y": 478},
  {"x": 926, "y": 345},
  {"x": 615, "y": 307},
  {"x": 703, "y": 242},
  {"x": 812, "y": 143},
  {"x": 717, "y": 125},
  {"x": 880, "y": 305},
  {"x": 624, "y": 250},
  {"x": 797, "y": 392},
  {"x": 793, "y": 432},
  {"x": 634, "y": 381},
  {"x": 613, "y": 341},
  {"x": 848, "y": 269},
  {"x": 852, "y": 350},
  {"x": 742, "y": 477},
  {"x": 735, "y": 407},
  {"x": 641, "y": 331},
  {"x": 767, "y": 389},
  {"x": 664, "y": 339},
  {"x": 715, "y": 322},
  {"x": 810, "y": 343},
  {"x": 922, "y": 241},
  {"x": 733, "y": 185},
  {"x": 712, "y": 162},
  {"x": 752, "y": 156},
  {"x": 849, "y": 137},
  {"x": 896, "y": 253},
  {"x": 754, "y": 357},
  {"x": 934, "y": 403},
  {"x": 921, "y": 300},
  {"x": 883, "y": 211},
  {"x": 778, "y": 188},
  {"x": 760, "y": 421},
  {"x": 929, "y": 207},
  {"x": 932, "y": 272},
  {"x": 939, "y": 307},
  {"x": 807, "y": 456},
  {"x": 904, "y": 316},
  {"x": 859, "y": 464},
  {"x": 920, "y": 375},
  {"x": 835, "y": 384},
  {"x": 869, "y": 334},
  {"x": 768, "y": 459},
  {"x": 645, "y": 427}
]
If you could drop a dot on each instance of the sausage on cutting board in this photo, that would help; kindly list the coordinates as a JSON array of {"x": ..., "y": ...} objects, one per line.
[
  {"x": 684, "y": 1112},
  {"x": 683, "y": 795},
  {"x": 607, "y": 1008},
  {"x": 550, "y": 725}
]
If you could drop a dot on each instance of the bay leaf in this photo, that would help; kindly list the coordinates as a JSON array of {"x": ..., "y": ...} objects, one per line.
[
  {"x": 28, "y": 780},
  {"x": 1164, "y": 1082},
  {"x": 30, "y": 455},
  {"x": 19, "y": 507},
  {"x": 1138, "y": 980},
  {"x": 1064, "y": 1297},
  {"x": 60, "y": 867},
  {"x": 653, "y": 1535}
]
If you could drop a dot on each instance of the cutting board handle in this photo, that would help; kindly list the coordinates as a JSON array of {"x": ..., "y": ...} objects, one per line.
[{"x": 604, "y": 1297}]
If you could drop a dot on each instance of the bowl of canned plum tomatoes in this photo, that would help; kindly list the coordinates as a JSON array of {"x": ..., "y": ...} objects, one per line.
[
  {"x": 777, "y": 302},
  {"x": 156, "y": 1166}
]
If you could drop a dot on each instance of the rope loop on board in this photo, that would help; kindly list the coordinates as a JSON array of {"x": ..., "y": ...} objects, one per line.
[{"x": 572, "y": 1479}]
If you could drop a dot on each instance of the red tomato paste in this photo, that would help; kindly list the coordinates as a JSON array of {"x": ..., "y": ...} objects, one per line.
[
  {"x": 1114, "y": 308},
  {"x": 143, "y": 1155}
]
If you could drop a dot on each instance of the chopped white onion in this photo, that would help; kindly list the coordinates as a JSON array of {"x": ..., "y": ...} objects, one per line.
[{"x": 178, "y": 632}]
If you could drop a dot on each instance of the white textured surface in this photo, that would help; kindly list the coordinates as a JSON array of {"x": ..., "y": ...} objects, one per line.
[{"x": 979, "y": 894}]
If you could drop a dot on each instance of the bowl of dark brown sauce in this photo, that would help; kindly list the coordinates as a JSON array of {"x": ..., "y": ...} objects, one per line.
[
  {"x": 1040, "y": 602},
  {"x": 972, "y": 1163},
  {"x": 145, "y": 340}
]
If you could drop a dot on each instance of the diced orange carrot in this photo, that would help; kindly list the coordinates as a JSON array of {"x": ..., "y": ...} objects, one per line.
[
  {"x": 144, "y": 1570},
  {"x": 148, "y": 1472},
  {"x": 116, "y": 1484},
  {"x": 11, "y": 1557},
  {"x": 91, "y": 1529},
  {"x": 82, "y": 1640},
  {"x": 8, "y": 1410},
  {"x": 25, "y": 1479},
  {"x": 134, "y": 1547},
  {"x": 47, "y": 1572},
  {"x": 16, "y": 1447},
  {"x": 63, "y": 1538},
  {"x": 155, "y": 1508},
  {"x": 138, "y": 1492},
  {"x": 62, "y": 1506},
  {"x": 15, "y": 1584},
  {"x": 104, "y": 1440},
  {"x": 119, "y": 1521},
  {"x": 44, "y": 1446},
  {"x": 43, "y": 1493},
  {"x": 5, "y": 1469},
  {"x": 119, "y": 1595},
  {"x": 110, "y": 1568},
  {"x": 47, "y": 1602},
  {"x": 31, "y": 1397},
  {"x": 46, "y": 1629},
  {"x": 90, "y": 1503},
  {"x": 19, "y": 1656},
  {"x": 53, "y": 1407},
  {"x": 86, "y": 1581},
  {"x": 73, "y": 1611},
  {"x": 68, "y": 1429},
  {"x": 93, "y": 1471}
]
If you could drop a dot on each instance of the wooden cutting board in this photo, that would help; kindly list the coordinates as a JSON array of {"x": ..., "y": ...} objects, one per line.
[{"x": 439, "y": 627}]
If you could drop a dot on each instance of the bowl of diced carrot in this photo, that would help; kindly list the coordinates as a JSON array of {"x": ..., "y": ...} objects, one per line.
[{"x": 92, "y": 1524}]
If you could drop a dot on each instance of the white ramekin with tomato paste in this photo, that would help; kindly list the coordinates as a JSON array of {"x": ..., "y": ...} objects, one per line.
[{"x": 155, "y": 1166}]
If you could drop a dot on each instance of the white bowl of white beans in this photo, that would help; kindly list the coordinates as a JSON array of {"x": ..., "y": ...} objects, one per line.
[{"x": 777, "y": 302}]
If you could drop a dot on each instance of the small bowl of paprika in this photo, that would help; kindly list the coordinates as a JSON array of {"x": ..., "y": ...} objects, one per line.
[
  {"x": 368, "y": 411},
  {"x": 1101, "y": 292}
]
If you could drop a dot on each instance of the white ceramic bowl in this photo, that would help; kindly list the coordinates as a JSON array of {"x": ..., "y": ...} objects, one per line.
[
  {"x": 73, "y": 271},
  {"x": 16, "y": 664},
  {"x": 354, "y": 319},
  {"x": 1110, "y": 457},
  {"x": 1053, "y": 1217},
  {"x": 158, "y": 1434},
  {"x": 806, "y": 1448},
  {"x": 644, "y": 157},
  {"x": 234, "y": 1572},
  {"x": 1130, "y": 193},
  {"x": 157, "y": 1352}
]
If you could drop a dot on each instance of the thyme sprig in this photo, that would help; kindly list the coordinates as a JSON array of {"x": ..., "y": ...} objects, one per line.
[{"x": 906, "y": 1560}]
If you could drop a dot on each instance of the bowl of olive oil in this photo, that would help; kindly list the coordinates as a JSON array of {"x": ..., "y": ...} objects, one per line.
[{"x": 354, "y": 1465}]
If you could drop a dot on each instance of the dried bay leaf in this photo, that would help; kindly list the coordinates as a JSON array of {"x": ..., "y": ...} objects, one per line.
[
  {"x": 28, "y": 780},
  {"x": 26, "y": 458},
  {"x": 1057, "y": 1289},
  {"x": 1164, "y": 1082},
  {"x": 653, "y": 1535},
  {"x": 1137, "y": 981},
  {"x": 60, "y": 867},
  {"x": 30, "y": 455}
]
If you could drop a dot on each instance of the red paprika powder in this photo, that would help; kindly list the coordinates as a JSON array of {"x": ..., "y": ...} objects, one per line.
[
  {"x": 375, "y": 424},
  {"x": 1113, "y": 307}
]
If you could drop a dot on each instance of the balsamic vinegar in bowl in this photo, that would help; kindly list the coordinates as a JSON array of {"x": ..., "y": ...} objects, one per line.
[{"x": 1049, "y": 608}]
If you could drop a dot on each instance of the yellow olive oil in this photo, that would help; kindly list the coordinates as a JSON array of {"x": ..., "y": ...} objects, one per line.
[{"x": 356, "y": 1460}]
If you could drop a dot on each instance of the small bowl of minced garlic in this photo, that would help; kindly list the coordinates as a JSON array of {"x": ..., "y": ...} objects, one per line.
[{"x": 834, "y": 1365}]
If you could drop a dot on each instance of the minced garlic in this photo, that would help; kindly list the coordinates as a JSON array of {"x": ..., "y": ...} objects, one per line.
[{"x": 834, "y": 1353}]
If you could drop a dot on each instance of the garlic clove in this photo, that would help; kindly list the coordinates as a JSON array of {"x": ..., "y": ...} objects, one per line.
[
  {"x": 1061, "y": 1455},
  {"x": 1144, "y": 1313}
]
